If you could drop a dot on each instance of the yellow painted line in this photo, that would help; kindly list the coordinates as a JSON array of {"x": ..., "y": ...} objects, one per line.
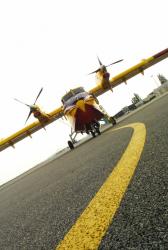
[{"x": 93, "y": 223}]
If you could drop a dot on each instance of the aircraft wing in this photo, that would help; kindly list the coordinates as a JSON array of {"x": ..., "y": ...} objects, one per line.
[
  {"x": 29, "y": 130},
  {"x": 98, "y": 90},
  {"x": 131, "y": 72}
]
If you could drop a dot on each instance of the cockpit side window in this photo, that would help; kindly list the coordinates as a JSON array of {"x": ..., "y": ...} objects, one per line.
[{"x": 67, "y": 97}]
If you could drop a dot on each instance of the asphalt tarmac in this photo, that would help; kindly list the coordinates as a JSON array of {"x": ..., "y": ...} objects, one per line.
[{"x": 38, "y": 209}]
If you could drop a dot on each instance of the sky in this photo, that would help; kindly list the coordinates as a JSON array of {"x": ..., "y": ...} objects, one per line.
[{"x": 54, "y": 45}]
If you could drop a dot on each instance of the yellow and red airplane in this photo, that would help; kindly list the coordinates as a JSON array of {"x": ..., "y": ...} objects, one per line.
[{"x": 81, "y": 107}]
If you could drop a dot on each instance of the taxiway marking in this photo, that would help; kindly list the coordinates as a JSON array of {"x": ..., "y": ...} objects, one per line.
[{"x": 93, "y": 223}]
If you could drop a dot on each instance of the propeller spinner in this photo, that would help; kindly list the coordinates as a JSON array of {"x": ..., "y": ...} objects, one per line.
[
  {"x": 32, "y": 107},
  {"x": 103, "y": 66}
]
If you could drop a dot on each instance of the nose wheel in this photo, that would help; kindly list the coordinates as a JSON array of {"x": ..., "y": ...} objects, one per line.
[
  {"x": 98, "y": 131},
  {"x": 95, "y": 129},
  {"x": 92, "y": 133}
]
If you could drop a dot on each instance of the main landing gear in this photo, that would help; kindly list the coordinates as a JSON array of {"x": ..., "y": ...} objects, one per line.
[
  {"x": 72, "y": 141},
  {"x": 112, "y": 120},
  {"x": 93, "y": 129},
  {"x": 70, "y": 144}
]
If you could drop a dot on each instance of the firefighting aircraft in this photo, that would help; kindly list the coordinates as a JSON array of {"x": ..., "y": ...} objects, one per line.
[{"x": 81, "y": 107}]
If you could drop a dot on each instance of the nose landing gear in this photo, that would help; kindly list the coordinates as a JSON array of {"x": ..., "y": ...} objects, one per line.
[{"x": 95, "y": 128}]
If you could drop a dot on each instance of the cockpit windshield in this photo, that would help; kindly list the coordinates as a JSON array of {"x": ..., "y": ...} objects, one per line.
[{"x": 72, "y": 93}]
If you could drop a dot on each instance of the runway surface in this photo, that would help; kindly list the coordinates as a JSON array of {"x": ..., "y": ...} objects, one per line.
[{"x": 84, "y": 200}]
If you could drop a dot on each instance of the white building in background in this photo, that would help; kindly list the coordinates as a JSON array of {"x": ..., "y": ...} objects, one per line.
[
  {"x": 157, "y": 92},
  {"x": 161, "y": 89}
]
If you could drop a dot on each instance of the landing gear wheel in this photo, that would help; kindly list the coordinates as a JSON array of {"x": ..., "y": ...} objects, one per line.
[
  {"x": 112, "y": 120},
  {"x": 92, "y": 133},
  {"x": 70, "y": 144},
  {"x": 98, "y": 131}
]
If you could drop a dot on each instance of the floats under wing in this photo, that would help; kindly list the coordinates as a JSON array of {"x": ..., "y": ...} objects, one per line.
[
  {"x": 131, "y": 72},
  {"x": 29, "y": 130}
]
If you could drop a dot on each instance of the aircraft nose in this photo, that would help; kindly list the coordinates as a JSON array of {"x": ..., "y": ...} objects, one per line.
[{"x": 81, "y": 105}]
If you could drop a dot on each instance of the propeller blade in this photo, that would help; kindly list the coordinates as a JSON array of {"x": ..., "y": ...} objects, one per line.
[
  {"x": 104, "y": 66},
  {"x": 115, "y": 62},
  {"x": 28, "y": 116},
  {"x": 22, "y": 102},
  {"x": 38, "y": 95},
  {"x": 94, "y": 71},
  {"x": 98, "y": 68},
  {"x": 99, "y": 61}
]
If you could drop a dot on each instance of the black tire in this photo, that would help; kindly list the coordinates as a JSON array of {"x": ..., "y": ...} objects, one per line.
[
  {"x": 112, "y": 120},
  {"x": 98, "y": 131},
  {"x": 70, "y": 144},
  {"x": 92, "y": 133},
  {"x": 96, "y": 124}
]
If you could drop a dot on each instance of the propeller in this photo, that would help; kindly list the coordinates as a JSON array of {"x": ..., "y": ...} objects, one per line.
[
  {"x": 32, "y": 107},
  {"x": 103, "y": 66}
]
